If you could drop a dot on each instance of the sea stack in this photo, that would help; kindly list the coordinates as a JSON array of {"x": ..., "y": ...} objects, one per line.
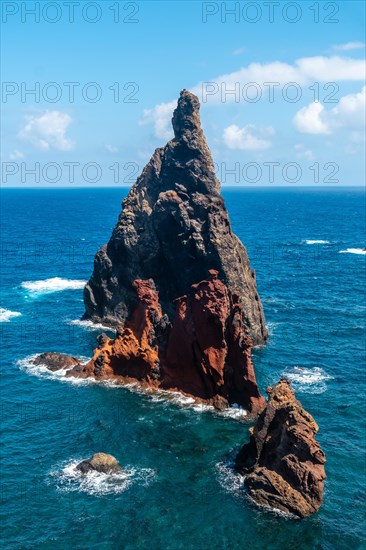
[
  {"x": 173, "y": 228},
  {"x": 283, "y": 462},
  {"x": 176, "y": 282}
]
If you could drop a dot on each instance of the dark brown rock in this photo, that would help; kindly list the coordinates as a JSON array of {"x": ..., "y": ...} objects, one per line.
[
  {"x": 173, "y": 227},
  {"x": 100, "y": 462},
  {"x": 56, "y": 361},
  {"x": 283, "y": 461}
]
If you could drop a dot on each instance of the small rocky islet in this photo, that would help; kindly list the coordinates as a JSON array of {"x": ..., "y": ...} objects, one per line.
[
  {"x": 100, "y": 462},
  {"x": 177, "y": 285}
]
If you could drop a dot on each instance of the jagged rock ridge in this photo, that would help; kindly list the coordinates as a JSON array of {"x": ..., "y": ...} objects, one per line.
[
  {"x": 283, "y": 461},
  {"x": 205, "y": 352},
  {"x": 173, "y": 228}
]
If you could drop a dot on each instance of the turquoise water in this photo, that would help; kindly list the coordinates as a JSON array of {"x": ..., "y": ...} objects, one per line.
[{"x": 179, "y": 491}]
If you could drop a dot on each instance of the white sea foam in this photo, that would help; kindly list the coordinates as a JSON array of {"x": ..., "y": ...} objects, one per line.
[
  {"x": 69, "y": 479},
  {"x": 319, "y": 241},
  {"x": 271, "y": 327},
  {"x": 41, "y": 371},
  {"x": 164, "y": 396},
  {"x": 361, "y": 251},
  {"x": 235, "y": 412},
  {"x": 308, "y": 380},
  {"x": 229, "y": 479},
  {"x": 233, "y": 482},
  {"x": 6, "y": 315},
  {"x": 89, "y": 325},
  {"x": 55, "y": 284}
]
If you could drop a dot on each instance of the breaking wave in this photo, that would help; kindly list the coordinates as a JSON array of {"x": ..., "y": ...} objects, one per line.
[
  {"x": 89, "y": 325},
  {"x": 229, "y": 479},
  {"x": 41, "y": 371},
  {"x": 235, "y": 412},
  {"x": 309, "y": 241},
  {"x": 69, "y": 479},
  {"x": 55, "y": 284},
  {"x": 307, "y": 380},
  {"x": 6, "y": 315},
  {"x": 353, "y": 251}
]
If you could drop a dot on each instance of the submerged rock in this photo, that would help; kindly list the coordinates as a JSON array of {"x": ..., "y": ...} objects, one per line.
[
  {"x": 173, "y": 228},
  {"x": 283, "y": 461},
  {"x": 100, "y": 462},
  {"x": 56, "y": 361}
]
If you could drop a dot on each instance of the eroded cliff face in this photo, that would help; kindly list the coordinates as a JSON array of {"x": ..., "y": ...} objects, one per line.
[
  {"x": 283, "y": 461},
  {"x": 209, "y": 351},
  {"x": 173, "y": 228},
  {"x": 205, "y": 352}
]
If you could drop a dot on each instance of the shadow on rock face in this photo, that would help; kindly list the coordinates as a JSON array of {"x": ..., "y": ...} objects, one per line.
[
  {"x": 283, "y": 461},
  {"x": 100, "y": 462}
]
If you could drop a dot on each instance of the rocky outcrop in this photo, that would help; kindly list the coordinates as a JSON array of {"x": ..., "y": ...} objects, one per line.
[
  {"x": 100, "y": 462},
  {"x": 206, "y": 352},
  {"x": 173, "y": 228},
  {"x": 209, "y": 352},
  {"x": 56, "y": 361},
  {"x": 283, "y": 462},
  {"x": 176, "y": 282},
  {"x": 139, "y": 344}
]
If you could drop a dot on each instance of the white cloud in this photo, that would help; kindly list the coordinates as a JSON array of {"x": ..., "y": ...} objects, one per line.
[
  {"x": 112, "y": 148},
  {"x": 350, "y": 111},
  {"x": 309, "y": 120},
  {"x": 245, "y": 138},
  {"x": 160, "y": 116},
  {"x": 47, "y": 131},
  {"x": 348, "y": 46},
  {"x": 349, "y": 114},
  {"x": 303, "y": 71},
  {"x": 325, "y": 69},
  {"x": 16, "y": 155}
]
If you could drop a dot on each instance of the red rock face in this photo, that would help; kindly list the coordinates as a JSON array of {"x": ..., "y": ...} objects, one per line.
[
  {"x": 206, "y": 353},
  {"x": 134, "y": 353},
  {"x": 209, "y": 353}
]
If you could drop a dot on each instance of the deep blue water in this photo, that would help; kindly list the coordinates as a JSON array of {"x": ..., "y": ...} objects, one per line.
[{"x": 180, "y": 492}]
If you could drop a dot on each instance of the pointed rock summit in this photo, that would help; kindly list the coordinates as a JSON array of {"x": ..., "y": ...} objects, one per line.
[{"x": 173, "y": 228}]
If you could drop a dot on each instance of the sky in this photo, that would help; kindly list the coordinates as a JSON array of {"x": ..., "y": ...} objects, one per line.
[{"x": 88, "y": 89}]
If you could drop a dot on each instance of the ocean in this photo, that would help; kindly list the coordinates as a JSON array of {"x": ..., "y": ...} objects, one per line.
[{"x": 178, "y": 489}]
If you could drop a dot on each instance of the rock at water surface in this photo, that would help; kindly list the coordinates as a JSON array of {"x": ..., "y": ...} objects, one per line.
[
  {"x": 283, "y": 463},
  {"x": 100, "y": 462},
  {"x": 56, "y": 361}
]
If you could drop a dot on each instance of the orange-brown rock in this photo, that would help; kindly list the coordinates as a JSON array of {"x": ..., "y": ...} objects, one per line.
[
  {"x": 206, "y": 353},
  {"x": 134, "y": 353},
  {"x": 283, "y": 461}
]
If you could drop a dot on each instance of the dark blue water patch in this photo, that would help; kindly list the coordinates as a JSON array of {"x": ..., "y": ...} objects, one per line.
[{"x": 180, "y": 490}]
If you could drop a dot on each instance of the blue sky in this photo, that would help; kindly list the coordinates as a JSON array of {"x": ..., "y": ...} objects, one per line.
[{"x": 154, "y": 50}]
